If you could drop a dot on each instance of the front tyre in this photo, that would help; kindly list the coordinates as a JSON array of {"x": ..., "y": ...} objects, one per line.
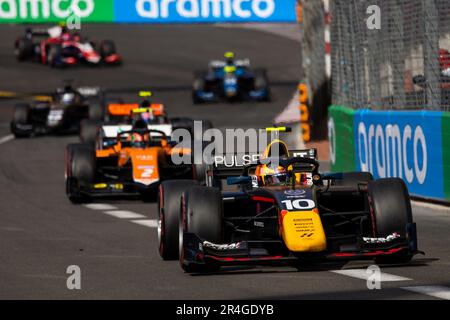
[
  {"x": 390, "y": 206},
  {"x": 80, "y": 170},
  {"x": 201, "y": 214},
  {"x": 169, "y": 203},
  {"x": 21, "y": 117}
]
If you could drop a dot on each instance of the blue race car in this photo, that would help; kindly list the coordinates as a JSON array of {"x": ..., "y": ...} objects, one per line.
[{"x": 230, "y": 80}]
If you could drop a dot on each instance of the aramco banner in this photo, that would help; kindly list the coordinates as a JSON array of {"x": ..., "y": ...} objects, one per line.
[
  {"x": 148, "y": 11},
  {"x": 412, "y": 145}
]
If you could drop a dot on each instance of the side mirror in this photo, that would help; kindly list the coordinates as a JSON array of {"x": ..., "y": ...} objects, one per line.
[
  {"x": 238, "y": 180},
  {"x": 332, "y": 176}
]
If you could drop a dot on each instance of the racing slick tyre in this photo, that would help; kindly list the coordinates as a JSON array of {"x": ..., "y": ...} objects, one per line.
[
  {"x": 107, "y": 48},
  {"x": 262, "y": 82},
  {"x": 54, "y": 55},
  {"x": 169, "y": 203},
  {"x": 89, "y": 131},
  {"x": 183, "y": 123},
  {"x": 198, "y": 85},
  {"x": 390, "y": 206},
  {"x": 23, "y": 49},
  {"x": 199, "y": 173},
  {"x": 202, "y": 214},
  {"x": 96, "y": 110},
  {"x": 352, "y": 179},
  {"x": 80, "y": 170},
  {"x": 21, "y": 117}
]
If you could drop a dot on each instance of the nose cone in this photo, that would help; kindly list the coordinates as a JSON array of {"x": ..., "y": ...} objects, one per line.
[{"x": 302, "y": 231}]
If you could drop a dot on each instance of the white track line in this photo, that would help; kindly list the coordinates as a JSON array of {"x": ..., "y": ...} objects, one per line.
[
  {"x": 6, "y": 138},
  {"x": 100, "y": 206},
  {"x": 431, "y": 206},
  {"x": 150, "y": 223},
  {"x": 439, "y": 292},
  {"x": 124, "y": 214},
  {"x": 362, "y": 274}
]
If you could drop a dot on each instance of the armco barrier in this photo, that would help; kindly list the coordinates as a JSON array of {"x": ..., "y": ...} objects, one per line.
[
  {"x": 413, "y": 145},
  {"x": 148, "y": 11}
]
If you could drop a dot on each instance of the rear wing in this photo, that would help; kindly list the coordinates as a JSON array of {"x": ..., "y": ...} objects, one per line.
[
  {"x": 231, "y": 165},
  {"x": 125, "y": 109},
  {"x": 89, "y": 91},
  {"x": 111, "y": 131},
  {"x": 52, "y": 32}
]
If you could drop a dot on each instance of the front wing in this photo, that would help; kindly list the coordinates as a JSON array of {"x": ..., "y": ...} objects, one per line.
[{"x": 199, "y": 253}]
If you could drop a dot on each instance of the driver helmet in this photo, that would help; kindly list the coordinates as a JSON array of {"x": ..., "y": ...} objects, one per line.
[
  {"x": 279, "y": 176},
  {"x": 68, "y": 97},
  {"x": 136, "y": 140},
  {"x": 269, "y": 176},
  {"x": 65, "y": 35},
  {"x": 143, "y": 118},
  {"x": 229, "y": 57}
]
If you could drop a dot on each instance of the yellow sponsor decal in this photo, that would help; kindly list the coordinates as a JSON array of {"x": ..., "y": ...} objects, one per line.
[
  {"x": 145, "y": 94},
  {"x": 100, "y": 186},
  {"x": 229, "y": 69}
]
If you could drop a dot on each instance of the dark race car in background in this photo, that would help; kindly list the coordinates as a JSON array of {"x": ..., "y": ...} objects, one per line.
[
  {"x": 234, "y": 81},
  {"x": 62, "y": 112},
  {"x": 57, "y": 47}
]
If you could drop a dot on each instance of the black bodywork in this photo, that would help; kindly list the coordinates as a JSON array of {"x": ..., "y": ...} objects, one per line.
[
  {"x": 55, "y": 116},
  {"x": 251, "y": 221}
]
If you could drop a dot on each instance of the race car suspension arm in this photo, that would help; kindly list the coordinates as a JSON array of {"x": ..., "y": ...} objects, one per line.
[{"x": 248, "y": 220}]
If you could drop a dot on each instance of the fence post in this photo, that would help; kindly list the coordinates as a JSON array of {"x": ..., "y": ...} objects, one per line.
[{"x": 431, "y": 55}]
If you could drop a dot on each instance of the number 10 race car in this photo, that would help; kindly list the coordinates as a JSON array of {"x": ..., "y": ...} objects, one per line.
[{"x": 284, "y": 214}]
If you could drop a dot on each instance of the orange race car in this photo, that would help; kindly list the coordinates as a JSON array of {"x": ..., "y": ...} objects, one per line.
[
  {"x": 119, "y": 116},
  {"x": 133, "y": 165}
]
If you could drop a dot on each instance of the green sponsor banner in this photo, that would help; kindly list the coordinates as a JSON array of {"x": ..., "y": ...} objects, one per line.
[
  {"x": 44, "y": 11},
  {"x": 446, "y": 152},
  {"x": 342, "y": 144}
]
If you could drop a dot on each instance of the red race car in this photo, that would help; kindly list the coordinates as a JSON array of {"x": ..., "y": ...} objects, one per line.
[{"x": 58, "y": 47}]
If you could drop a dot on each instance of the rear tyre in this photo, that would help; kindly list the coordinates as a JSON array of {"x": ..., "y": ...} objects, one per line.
[
  {"x": 262, "y": 83},
  {"x": 23, "y": 49},
  {"x": 198, "y": 85},
  {"x": 54, "y": 56},
  {"x": 96, "y": 110},
  {"x": 89, "y": 131},
  {"x": 352, "y": 179},
  {"x": 201, "y": 214},
  {"x": 107, "y": 48},
  {"x": 21, "y": 117},
  {"x": 80, "y": 170},
  {"x": 183, "y": 123},
  {"x": 390, "y": 206},
  {"x": 169, "y": 202}
]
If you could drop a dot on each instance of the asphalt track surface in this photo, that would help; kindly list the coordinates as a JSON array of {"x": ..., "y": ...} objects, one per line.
[{"x": 115, "y": 243}]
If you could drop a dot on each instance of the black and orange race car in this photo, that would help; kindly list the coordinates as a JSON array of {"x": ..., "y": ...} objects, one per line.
[
  {"x": 59, "y": 47},
  {"x": 133, "y": 165},
  {"x": 284, "y": 213}
]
